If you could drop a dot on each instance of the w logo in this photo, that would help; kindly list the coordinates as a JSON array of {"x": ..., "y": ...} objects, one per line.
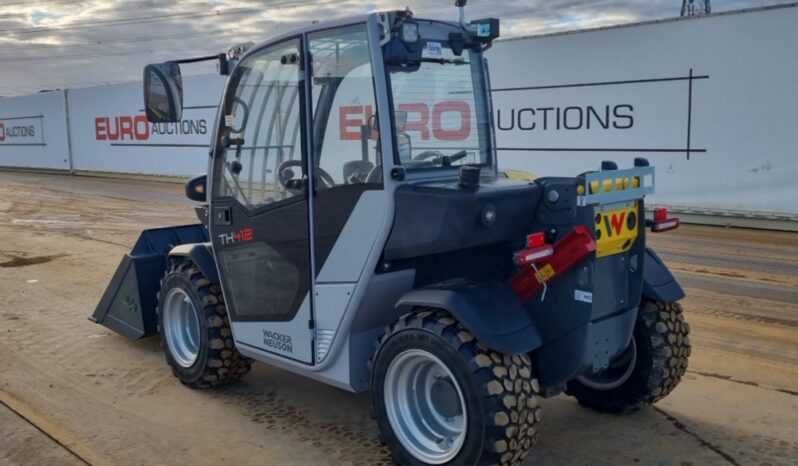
[{"x": 615, "y": 223}]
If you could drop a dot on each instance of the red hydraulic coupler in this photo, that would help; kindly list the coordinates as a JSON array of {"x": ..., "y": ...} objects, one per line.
[{"x": 568, "y": 252}]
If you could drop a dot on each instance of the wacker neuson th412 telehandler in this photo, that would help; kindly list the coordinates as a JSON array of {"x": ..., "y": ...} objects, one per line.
[{"x": 355, "y": 230}]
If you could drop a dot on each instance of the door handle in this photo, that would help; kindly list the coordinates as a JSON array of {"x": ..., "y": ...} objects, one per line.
[{"x": 222, "y": 216}]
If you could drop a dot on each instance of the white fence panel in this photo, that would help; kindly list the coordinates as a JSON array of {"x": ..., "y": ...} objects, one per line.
[
  {"x": 33, "y": 131},
  {"x": 110, "y": 132},
  {"x": 711, "y": 102}
]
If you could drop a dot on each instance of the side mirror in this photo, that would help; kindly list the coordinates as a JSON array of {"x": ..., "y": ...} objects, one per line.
[
  {"x": 196, "y": 189},
  {"x": 163, "y": 92},
  {"x": 373, "y": 126},
  {"x": 401, "y": 120},
  {"x": 405, "y": 146}
]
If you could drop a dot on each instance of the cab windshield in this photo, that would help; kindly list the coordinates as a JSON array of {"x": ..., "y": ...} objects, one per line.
[{"x": 441, "y": 113}]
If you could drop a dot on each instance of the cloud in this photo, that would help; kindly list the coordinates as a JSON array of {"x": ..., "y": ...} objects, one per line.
[{"x": 47, "y": 44}]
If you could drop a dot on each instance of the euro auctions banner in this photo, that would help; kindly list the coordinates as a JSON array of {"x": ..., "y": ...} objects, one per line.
[
  {"x": 110, "y": 132},
  {"x": 711, "y": 102},
  {"x": 33, "y": 131}
]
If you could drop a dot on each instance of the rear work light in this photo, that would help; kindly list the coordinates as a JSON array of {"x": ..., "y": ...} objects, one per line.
[
  {"x": 410, "y": 33},
  {"x": 662, "y": 223}
]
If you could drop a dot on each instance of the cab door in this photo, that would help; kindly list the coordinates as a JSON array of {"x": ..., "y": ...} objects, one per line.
[{"x": 259, "y": 204}]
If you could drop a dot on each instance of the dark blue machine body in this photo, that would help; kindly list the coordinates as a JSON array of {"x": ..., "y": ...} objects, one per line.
[{"x": 588, "y": 315}]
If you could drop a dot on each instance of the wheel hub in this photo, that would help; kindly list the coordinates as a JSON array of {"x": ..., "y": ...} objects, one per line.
[
  {"x": 618, "y": 372},
  {"x": 443, "y": 397},
  {"x": 425, "y": 406},
  {"x": 181, "y": 327}
]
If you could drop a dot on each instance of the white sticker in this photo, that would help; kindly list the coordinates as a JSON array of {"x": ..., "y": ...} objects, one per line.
[
  {"x": 581, "y": 201},
  {"x": 583, "y": 296},
  {"x": 433, "y": 49},
  {"x": 229, "y": 120}
]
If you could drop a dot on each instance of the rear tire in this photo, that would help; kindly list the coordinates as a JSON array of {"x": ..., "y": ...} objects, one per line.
[
  {"x": 662, "y": 348},
  {"x": 489, "y": 409},
  {"x": 195, "y": 330}
]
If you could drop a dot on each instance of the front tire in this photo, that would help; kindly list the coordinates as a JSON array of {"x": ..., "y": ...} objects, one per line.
[
  {"x": 441, "y": 397},
  {"x": 195, "y": 330},
  {"x": 657, "y": 360}
]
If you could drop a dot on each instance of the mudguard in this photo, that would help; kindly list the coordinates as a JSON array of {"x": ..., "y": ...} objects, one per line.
[
  {"x": 201, "y": 254},
  {"x": 489, "y": 310},
  {"x": 659, "y": 283}
]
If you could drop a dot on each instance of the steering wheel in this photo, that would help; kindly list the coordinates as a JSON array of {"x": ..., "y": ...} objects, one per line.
[{"x": 286, "y": 175}]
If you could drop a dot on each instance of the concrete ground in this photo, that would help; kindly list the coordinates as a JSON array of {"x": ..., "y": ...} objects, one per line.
[{"x": 104, "y": 400}]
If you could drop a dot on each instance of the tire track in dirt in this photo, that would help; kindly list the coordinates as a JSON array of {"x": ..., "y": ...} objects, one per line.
[{"x": 354, "y": 445}]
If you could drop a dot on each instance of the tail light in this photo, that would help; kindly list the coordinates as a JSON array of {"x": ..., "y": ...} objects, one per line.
[
  {"x": 536, "y": 250},
  {"x": 662, "y": 222},
  {"x": 532, "y": 256}
]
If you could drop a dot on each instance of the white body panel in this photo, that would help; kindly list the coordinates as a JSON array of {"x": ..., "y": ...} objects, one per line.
[{"x": 293, "y": 339}]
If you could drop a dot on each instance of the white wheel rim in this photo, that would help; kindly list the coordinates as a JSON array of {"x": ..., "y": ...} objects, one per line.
[
  {"x": 616, "y": 374},
  {"x": 181, "y": 327},
  {"x": 425, "y": 406}
]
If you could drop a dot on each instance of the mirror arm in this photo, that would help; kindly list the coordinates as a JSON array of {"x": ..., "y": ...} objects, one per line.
[
  {"x": 224, "y": 66},
  {"x": 199, "y": 59}
]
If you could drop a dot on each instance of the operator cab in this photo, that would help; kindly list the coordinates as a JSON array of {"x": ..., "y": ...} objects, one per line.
[
  {"x": 316, "y": 131},
  {"x": 436, "y": 91},
  {"x": 437, "y": 109}
]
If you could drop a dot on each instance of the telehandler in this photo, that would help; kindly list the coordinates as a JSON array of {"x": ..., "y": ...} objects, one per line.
[{"x": 355, "y": 230}]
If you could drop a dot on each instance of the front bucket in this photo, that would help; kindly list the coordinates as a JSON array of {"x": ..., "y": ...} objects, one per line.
[{"x": 128, "y": 304}]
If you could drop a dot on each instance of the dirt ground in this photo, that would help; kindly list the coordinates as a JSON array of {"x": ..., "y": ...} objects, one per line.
[{"x": 103, "y": 400}]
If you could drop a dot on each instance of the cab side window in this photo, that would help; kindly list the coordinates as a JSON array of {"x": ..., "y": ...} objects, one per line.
[
  {"x": 262, "y": 120},
  {"x": 344, "y": 109}
]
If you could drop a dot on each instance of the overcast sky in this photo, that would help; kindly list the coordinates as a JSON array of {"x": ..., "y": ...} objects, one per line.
[{"x": 47, "y": 44}]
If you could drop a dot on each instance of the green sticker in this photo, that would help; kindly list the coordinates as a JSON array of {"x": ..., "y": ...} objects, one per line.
[{"x": 128, "y": 301}]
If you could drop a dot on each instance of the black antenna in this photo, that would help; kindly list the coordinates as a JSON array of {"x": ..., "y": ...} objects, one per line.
[{"x": 696, "y": 7}]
